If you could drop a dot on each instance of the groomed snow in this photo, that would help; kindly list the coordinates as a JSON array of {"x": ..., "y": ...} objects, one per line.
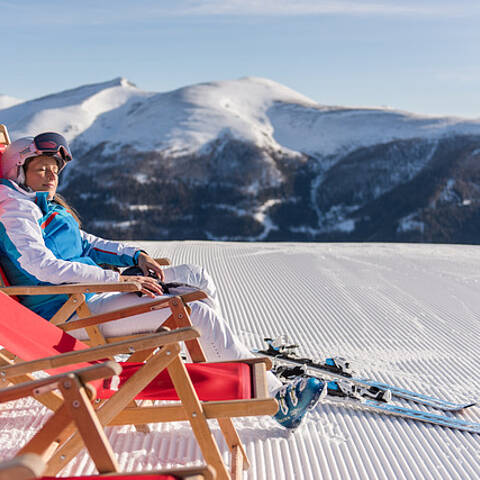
[{"x": 408, "y": 314}]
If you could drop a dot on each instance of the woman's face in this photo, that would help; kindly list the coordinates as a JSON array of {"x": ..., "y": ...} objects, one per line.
[{"x": 42, "y": 175}]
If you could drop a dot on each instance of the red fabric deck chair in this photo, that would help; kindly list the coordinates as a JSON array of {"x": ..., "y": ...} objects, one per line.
[
  {"x": 76, "y": 301},
  {"x": 77, "y": 390},
  {"x": 219, "y": 390}
]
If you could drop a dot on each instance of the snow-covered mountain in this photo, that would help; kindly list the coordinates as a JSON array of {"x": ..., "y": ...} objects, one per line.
[
  {"x": 6, "y": 101},
  {"x": 253, "y": 159}
]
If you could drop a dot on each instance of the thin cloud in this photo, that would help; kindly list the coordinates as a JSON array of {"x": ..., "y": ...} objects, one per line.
[
  {"x": 321, "y": 7},
  {"x": 465, "y": 76},
  {"x": 109, "y": 12}
]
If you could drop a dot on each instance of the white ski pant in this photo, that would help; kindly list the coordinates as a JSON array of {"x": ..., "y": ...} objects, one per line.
[{"x": 217, "y": 340}]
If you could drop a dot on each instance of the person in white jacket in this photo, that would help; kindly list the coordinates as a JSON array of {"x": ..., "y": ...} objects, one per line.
[{"x": 41, "y": 243}]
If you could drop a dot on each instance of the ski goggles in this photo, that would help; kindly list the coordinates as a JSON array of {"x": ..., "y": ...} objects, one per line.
[{"x": 49, "y": 143}]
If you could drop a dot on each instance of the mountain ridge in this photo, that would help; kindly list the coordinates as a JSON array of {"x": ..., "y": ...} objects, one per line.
[{"x": 251, "y": 159}]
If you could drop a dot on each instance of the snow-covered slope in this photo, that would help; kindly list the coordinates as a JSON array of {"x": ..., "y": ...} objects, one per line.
[
  {"x": 186, "y": 120},
  {"x": 7, "y": 101},
  {"x": 70, "y": 112},
  {"x": 329, "y": 131},
  {"x": 407, "y": 314}
]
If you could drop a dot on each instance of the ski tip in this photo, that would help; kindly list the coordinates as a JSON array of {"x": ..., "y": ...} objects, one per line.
[{"x": 460, "y": 407}]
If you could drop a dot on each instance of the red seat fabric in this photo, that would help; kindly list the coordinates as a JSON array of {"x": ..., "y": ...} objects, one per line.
[
  {"x": 31, "y": 337},
  {"x": 213, "y": 381}
]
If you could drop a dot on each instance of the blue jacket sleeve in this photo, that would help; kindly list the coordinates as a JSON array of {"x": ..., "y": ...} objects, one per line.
[{"x": 109, "y": 252}]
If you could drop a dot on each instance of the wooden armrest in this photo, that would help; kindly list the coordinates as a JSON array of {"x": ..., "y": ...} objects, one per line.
[
  {"x": 71, "y": 288},
  {"x": 252, "y": 361},
  {"x": 35, "y": 387},
  {"x": 162, "y": 302},
  {"x": 101, "y": 352}
]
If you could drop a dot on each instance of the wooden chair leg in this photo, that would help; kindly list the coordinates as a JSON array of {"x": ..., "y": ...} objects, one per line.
[
  {"x": 109, "y": 409},
  {"x": 96, "y": 336},
  {"x": 75, "y": 415},
  {"x": 163, "y": 261},
  {"x": 56, "y": 430},
  {"x": 196, "y": 416},
  {"x": 142, "y": 427},
  {"x": 237, "y": 464},
  {"x": 87, "y": 423},
  {"x": 68, "y": 308},
  {"x": 181, "y": 318},
  {"x": 234, "y": 444}
]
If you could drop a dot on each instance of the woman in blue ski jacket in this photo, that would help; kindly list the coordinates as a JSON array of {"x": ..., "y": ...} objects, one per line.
[{"x": 41, "y": 243}]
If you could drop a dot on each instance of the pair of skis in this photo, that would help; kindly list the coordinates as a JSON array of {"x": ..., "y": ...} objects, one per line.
[{"x": 364, "y": 393}]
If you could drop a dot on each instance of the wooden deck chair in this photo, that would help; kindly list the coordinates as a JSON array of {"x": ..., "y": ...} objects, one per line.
[
  {"x": 78, "y": 391},
  {"x": 178, "y": 306},
  {"x": 206, "y": 390},
  {"x": 77, "y": 302}
]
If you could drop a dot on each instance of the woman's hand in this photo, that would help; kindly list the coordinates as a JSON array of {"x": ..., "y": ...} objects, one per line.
[
  {"x": 148, "y": 266},
  {"x": 150, "y": 285}
]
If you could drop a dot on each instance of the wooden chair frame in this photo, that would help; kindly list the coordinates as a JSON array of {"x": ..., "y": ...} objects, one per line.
[
  {"x": 77, "y": 409},
  {"x": 118, "y": 410},
  {"x": 178, "y": 306},
  {"x": 76, "y": 302}
]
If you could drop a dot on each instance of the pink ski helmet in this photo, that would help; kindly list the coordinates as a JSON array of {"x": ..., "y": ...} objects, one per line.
[{"x": 15, "y": 155}]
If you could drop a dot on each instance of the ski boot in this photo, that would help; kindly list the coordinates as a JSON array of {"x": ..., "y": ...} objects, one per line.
[{"x": 296, "y": 398}]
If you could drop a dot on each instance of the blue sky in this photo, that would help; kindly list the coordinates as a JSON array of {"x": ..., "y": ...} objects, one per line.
[{"x": 421, "y": 56}]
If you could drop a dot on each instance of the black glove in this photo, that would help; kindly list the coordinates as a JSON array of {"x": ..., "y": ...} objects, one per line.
[{"x": 134, "y": 271}]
